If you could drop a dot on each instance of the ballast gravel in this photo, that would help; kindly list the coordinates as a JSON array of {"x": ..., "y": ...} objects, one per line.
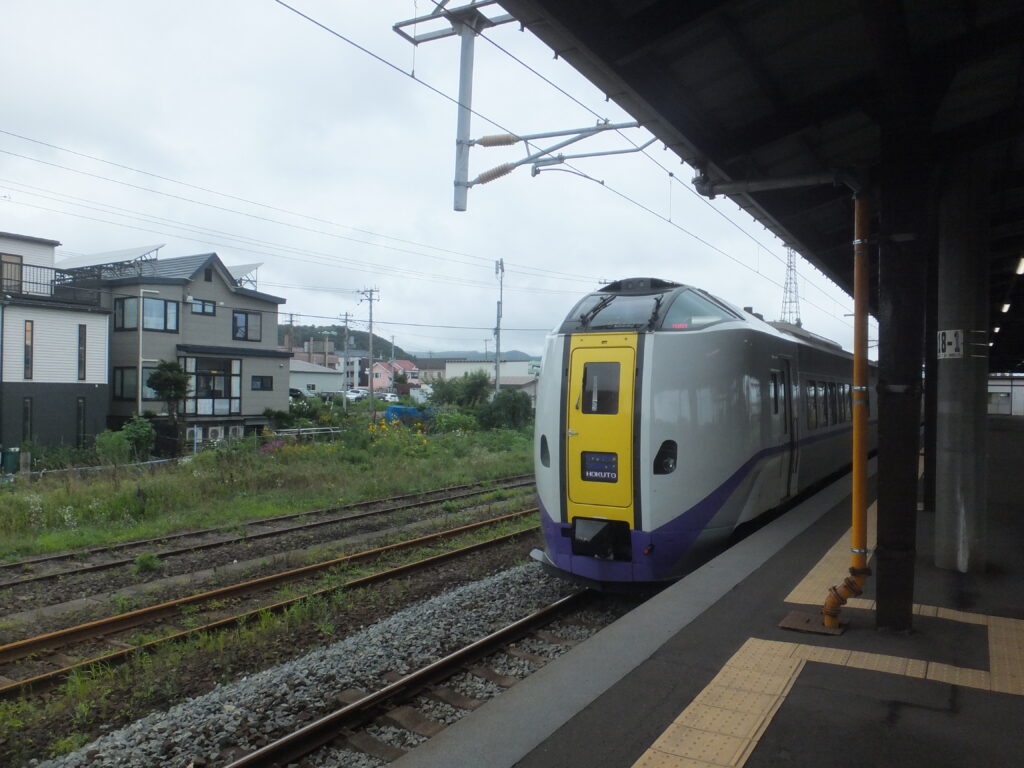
[{"x": 262, "y": 707}]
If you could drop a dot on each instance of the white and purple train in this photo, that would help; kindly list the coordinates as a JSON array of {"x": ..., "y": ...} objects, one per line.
[{"x": 667, "y": 418}]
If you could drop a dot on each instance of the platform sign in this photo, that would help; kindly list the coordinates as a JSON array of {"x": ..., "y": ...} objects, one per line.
[{"x": 951, "y": 344}]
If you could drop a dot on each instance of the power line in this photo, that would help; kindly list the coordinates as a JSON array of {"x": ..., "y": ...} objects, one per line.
[{"x": 455, "y": 101}]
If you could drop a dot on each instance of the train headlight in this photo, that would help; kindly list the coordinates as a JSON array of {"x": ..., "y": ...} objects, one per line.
[{"x": 665, "y": 461}]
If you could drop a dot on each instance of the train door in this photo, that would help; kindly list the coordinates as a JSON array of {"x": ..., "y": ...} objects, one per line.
[
  {"x": 599, "y": 420},
  {"x": 791, "y": 455},
  {"x": 783, "y": 431}
]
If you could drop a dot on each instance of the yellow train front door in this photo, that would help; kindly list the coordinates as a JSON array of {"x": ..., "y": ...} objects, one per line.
[{"x": 599, "y": 435}]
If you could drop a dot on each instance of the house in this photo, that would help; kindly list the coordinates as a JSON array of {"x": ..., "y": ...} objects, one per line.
[
  {"x": 315, "y": 379},
  {"x": 430, "y": 369},
  {"x": 456, "y": 368},
  {"x": 54, "y": 377},
  {"x": 383, "y": 376},
  {"x": 206, "y": 316},
  {"x": 411, "y": 371}
]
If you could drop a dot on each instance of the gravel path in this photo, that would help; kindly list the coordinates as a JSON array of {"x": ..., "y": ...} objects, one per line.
[{"x": 263, "y": 706}]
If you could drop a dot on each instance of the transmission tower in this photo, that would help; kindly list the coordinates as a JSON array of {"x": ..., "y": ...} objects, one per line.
[{"x": 791, "y": 292}]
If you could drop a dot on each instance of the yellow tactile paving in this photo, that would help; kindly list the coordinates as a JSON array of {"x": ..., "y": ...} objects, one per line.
[
  {"x": 653, "y": 758},
  {"x": 722, "y": 725},
  {"x": 833, "y": 567}
]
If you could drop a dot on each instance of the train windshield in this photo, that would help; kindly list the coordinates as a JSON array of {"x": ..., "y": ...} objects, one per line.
[
  {"x": 616, "y": 311},
  {"x": 690, "y": 311}
]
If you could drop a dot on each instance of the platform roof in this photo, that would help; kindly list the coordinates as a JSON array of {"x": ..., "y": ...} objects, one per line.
[{"x": 752, "y": 89}]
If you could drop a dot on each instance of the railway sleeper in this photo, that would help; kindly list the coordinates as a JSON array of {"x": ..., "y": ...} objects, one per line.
[
  {"x": 536, "y": 659},
  {"x": 371, "y": 745},
  {"x": 412, "y": 720},
  {"x": 505, "y": 681},
  {"x": 450, "y": 696},
  {"x": 555, "y": 639}
]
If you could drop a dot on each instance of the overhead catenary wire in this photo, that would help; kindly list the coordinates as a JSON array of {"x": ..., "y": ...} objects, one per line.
[
  {"x": 502, "y": 128},
  {"x": 671, "y": 175}
]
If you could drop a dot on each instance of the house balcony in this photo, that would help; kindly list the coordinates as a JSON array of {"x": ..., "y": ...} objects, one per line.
[{"x": 29, "y": 281}]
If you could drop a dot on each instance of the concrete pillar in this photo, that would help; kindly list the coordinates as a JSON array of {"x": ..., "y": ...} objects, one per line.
[{"x": 961, "y": 485}]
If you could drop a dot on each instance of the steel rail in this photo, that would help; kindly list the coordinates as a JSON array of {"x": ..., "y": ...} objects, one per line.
[
  {"x": 296, "y": 745},
  {"x": 21, "y": 648},
  {"x": 47, "y": 680},
  {"x": 242, "y": 537}
]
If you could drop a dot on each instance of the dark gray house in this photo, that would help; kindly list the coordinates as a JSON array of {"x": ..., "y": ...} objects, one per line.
[
  {"x": 208, "y": 317},
  {"x": 54, "y": 361}
]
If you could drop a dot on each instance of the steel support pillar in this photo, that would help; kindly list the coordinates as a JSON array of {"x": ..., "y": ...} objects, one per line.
[
  {"x": 902, "y": 249},
  {"x": 961, "y": 489}
]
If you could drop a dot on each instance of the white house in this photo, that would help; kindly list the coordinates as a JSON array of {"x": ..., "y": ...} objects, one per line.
[
  {"x": 55, "y": 350},
  {"x": 315, "y": 379}
]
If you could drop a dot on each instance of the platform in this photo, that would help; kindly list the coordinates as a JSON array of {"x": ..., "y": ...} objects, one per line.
[{"x": 702, "y": 676}]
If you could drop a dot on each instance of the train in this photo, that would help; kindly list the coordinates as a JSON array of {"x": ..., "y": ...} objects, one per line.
[{"x": 667, "y": 419}]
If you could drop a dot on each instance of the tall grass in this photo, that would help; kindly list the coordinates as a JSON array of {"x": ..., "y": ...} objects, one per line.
[{"x": 236, "y": 482}]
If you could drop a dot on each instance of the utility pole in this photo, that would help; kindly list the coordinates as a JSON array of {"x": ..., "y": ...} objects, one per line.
[
  {"x": 344, "y": 360},
  {"x": 499, "y": 270},
  {"x": 486, "y": 342},
  {"x": 368, "y": 295},
  {"x": 392, "y": 349}
]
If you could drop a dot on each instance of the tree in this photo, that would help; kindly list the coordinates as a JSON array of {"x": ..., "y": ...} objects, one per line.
[
  {"x": 140, "y": 435},
  {"x": 170, "y": 383},
  {"x": 510, "y": 408},
  {"x": 468, "y": 391},
  {"x": 401, "y": 382}
]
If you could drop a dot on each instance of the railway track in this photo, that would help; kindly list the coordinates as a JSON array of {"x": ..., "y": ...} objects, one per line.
[
  {"x": 388, "y": 704},
  {"x": 113, "y": 556},
  {"x": 51, "y": 649}
]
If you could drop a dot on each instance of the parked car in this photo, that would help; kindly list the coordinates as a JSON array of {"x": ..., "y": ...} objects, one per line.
[
  {"x": 356, "y": 394},
  {"x": 390, "y": 397},
  {"x": 293, "y": 392}
]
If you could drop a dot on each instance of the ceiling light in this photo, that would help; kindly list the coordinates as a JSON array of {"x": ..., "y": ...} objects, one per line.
[
  {"x": 1020, "y": 266},
  {"x": 1006, "y": 307},
  {"x": 996, "y": 329},
  {"x": 991, "y": 343}
]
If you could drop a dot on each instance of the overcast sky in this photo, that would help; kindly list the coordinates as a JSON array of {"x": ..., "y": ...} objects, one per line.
[{"x": 335, "y": 170}]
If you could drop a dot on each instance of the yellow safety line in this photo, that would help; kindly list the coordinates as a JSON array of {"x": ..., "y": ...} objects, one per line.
[{"x": 722, "y": 725}]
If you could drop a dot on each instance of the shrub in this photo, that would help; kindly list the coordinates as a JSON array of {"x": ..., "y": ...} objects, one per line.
[
  {"x": 140, "y": 435},
  {"x": 113, "y": 447},
  {"x": 454, "y": 421},
  {"x": 510, "y": 409}
]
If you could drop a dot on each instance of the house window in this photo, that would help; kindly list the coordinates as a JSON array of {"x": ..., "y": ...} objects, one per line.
[
  {"x": 246, "y": 326},
  {"x": 123, "y": 384},
  {"x": 29, "y": 344},
  {"x": 203, "y": 307},
  {"x": 263, "y": 383},
  {"x": 157, "y": 314},
  {"x": 80, "y": 422},
  {"x": 11, "y": 274},
  {"x": 26, "y": 420},
  {"x": 126, "y": 314},
  {"x": 82, "y": 334},
  {"x": 215, "y": 386},
  {"x": 208, "y": 274}
]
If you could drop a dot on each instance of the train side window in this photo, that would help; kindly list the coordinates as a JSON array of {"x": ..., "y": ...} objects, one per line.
[
  {"x": 812, "y": 405},
  {"x": 600, "y": 388},
  {"x": 773, "y": 391},
  {"x": 822, "y": 406},
  {"x": 833, "y": 415}
]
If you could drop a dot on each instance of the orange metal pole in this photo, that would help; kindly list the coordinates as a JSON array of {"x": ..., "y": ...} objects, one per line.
[{"x": 853, "y": 584}]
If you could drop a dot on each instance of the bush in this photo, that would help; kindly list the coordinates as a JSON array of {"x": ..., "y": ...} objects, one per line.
[
  {"x": 453, "y": 421},
  {"x": 510, "y": 408},
  {"x": 140, "y": 435},
  {"x": 113, "y": 447}
]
